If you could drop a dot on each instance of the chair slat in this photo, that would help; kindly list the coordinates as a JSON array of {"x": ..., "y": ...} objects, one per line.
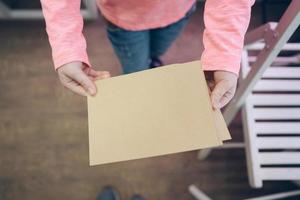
[
  {"x": 277, "y": 127},
  {"x": 282, "y": 72},
  {"x": 279, "y": 157},
  {"x": 278, "y": 142},
  {"x": 276, "y": 113},
  {"x": 277, "y": 85},
  {"x": 275, "y": 99},
  {"x": 280, "y": 173}
]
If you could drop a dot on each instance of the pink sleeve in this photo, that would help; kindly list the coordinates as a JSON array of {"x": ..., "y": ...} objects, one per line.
[
  {"x": 64, "y": 25},
  {"x": 226, "y": 22}
]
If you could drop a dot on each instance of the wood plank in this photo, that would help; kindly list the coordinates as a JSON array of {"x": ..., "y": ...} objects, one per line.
[
  {"x": 279, "y": 60},
  {"x": 276, "y": 113},
  {"x": 280, "y": 173},
  {"x": 277, "y": 127},
  {"x": 253, "y": 164},
  {"x": 282, "y": 72},
  {"x": 275, "y": 99},
  {"x": 278, "y": 142},
  {"x": 279, "y": 157},
  {"x": 277, "y": 85},
  {"x": 261, "y": 45}
]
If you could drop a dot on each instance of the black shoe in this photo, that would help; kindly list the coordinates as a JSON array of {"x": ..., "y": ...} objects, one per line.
[
  {"x": 108, "y": 193},
  {"x": 137, "y": 197},
  {"x": 155, "y": 62}
]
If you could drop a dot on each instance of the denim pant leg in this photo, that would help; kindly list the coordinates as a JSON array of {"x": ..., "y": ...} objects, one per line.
[
  {"x": 162, "y": 38},
  {"x": 131, "y": 47}
]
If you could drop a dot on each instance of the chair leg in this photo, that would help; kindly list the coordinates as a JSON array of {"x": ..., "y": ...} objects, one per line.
[
  {"x": 197, "y": 193},
  {"x": 203, "y": 154}
]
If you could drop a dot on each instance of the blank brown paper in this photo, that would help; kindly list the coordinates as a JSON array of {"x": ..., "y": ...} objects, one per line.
[{"x": 154, "y": 112}]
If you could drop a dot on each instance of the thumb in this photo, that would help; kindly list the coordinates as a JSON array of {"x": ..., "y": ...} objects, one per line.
[
  {"x": 217, "y": 94},
  {"x": 85, "y": 82}
]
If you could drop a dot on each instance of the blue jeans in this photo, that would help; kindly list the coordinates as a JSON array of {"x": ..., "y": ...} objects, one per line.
[{"x": 136, "y": 48}]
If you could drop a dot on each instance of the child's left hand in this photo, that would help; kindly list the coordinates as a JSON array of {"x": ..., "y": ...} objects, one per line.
[{"x": 223, "y": 88}]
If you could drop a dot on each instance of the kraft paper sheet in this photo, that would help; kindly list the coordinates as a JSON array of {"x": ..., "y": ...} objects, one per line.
[{"x": 153, "y": 112}]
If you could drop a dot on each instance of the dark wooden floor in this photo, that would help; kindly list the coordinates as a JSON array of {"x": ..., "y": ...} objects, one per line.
[{"x": 43, "y": 130}]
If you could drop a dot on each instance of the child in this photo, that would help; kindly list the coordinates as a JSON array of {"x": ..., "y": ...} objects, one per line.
[{"x": 141, "y": 31}]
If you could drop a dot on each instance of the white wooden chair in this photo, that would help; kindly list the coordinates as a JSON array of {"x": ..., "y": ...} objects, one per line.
[
  {"x": 271, "y": 119},
  {"x": 271, "y": 123},
  {"x": 269, "y": 95}
]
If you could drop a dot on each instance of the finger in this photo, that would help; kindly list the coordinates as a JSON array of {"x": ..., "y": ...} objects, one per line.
[
  {"x": 94, "y": 73},
  {"x": 97, "y": 75},
  {"x": 76, "y": 88},
  {"x": 226, "y": 98},
  {"x": 81, "y": 78},
  {"x": 101, "y": 75},
  {"x": 73, "y": 86},
  {"x": 217, "y": 94}
]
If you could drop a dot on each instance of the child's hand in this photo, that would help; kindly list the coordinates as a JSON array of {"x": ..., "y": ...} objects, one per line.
[
  {"x": 223, "y": 88},
  {"x": 79, "y": 78}
]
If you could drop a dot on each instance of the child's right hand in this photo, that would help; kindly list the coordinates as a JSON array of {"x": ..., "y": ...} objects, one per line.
[{"x": 80, "y": 78}]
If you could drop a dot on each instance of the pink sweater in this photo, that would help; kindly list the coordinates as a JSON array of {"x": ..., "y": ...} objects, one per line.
[{"x": 226, "y": 22}]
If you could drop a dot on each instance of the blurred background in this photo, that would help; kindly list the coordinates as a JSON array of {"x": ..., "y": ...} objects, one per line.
[{"x": 43, "y": 127}]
